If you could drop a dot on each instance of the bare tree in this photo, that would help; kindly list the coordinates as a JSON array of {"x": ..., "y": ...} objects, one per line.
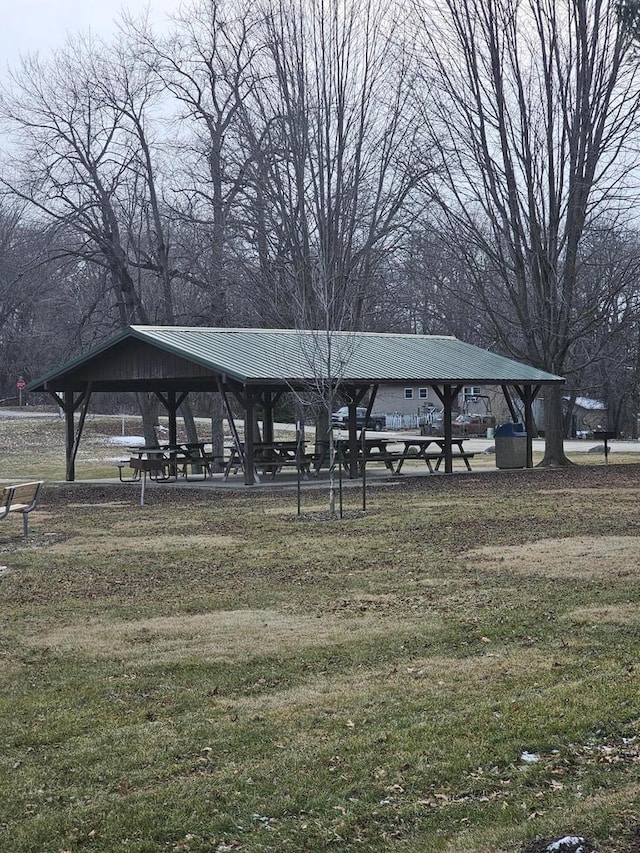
[
  {"x": 534, "y": 106},
  {"x": 336, "y": 155},
  {"x": 23, "y": 246},
  {"x": 434, "y": 291},
  {"x": 206, "y": 64},
  {"x": 78, "y": 163},
  {"x": 325, "y": 353},
  {"x": 73, "y": 160},
  {"x": 629, "y": 13},
  {"x": 336, "y": 158},
  {"x": 606, "y": 361}
]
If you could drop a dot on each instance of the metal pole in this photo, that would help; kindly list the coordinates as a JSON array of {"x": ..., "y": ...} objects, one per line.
[
  {"x": 364, "y": 470},
  {"x": 143, "y": 484},
  {"x": 298, "y": 448},
  {"x": 340, "y": 463}
]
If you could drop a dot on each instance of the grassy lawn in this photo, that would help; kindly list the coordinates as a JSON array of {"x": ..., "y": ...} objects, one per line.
[{"x": 455, "y": 670}]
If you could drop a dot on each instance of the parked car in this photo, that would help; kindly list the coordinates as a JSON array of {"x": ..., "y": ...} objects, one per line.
[{"x": 341, "y": 419}]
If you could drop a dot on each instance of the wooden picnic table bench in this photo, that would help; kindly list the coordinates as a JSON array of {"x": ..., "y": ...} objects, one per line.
[
  {"x": 418, "y": 447},
  {"x": 23, "y": 498},
  {"x": 270, "y": 457},
  {"x": 163, "y": 462},
  {"x": 180, "y": 457},
  {"x": 141, "y": 465},
  {"x": 156, "y": 467},
  {"x": 464, "y": 456},
  {"x": 369, "y": 450}
]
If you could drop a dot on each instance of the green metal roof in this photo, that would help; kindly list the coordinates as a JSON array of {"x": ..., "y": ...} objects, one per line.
[{"x": 276, "y": 356}]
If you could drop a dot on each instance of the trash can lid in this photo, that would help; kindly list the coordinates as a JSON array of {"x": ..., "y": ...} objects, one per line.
[{"x": 510, "y": 429}]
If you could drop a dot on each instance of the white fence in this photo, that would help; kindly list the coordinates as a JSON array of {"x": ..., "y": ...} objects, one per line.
[{"x": 396, "y": 421}]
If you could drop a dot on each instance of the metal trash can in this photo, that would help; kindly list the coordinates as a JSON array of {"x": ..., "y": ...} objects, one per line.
[{"x": 511, "y": 446}]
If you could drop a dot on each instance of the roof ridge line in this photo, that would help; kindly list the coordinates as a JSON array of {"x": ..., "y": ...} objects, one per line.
[{"x": 251, "y": 329}]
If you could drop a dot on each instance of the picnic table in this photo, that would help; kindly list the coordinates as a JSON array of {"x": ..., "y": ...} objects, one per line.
[
  {"x": 419, "y": 447},
  {"x": 429, "y": 449},
  {"x": 269, "y": 457},
  {"x": 165, "y": 461},
  {"x": 369, "y": 450},
  {"x": 185, "y": 455}
]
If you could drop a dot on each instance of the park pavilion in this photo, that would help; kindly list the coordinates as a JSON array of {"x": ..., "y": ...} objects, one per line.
[{"x": 255, "y": 367}]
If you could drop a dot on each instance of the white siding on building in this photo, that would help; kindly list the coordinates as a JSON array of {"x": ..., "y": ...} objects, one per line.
[
  {"x": 413, "y": 405},
  {"x": 412, "y": 400}
]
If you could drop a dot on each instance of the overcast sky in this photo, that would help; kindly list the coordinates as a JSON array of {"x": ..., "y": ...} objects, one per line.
[{"x": 27, "y": 26}]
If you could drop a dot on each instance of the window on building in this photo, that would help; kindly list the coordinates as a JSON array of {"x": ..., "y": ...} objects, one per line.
[
  {"x": 471, "y": 392},
  {"x": 423, "y": 393},
  {"x": 408, "y": 393}
]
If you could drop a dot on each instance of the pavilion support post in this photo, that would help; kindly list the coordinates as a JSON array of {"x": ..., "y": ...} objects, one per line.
[
  {"x": 69, "y": 404},
  {"x": 231, "y": 422},
  {"x": 447, "y": 394},
  {"x": 354, "y": 397},
  {"x": 372, "y": 399},
  {"x": 69, "y": 409},
  {"x": 172, "y": 403},
  {"x": 173, "y": 418},
  {"x": 250, "y": 477},
  {"x": 217, "y": 432},
  {"x": 267, "y": 423},
  {"x": 512, "y": 409}
]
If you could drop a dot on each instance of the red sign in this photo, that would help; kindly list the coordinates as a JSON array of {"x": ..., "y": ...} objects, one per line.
[{"x": 21, "y": 384}]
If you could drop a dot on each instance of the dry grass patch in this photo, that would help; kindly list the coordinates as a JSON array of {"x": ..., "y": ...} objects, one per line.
[
  {"x": 596, "y": 494},
  {"x": 228, "y": 635},
  {"x": 352, "y": 502},
  {"x": 290, "y": 509},
  {"x": 577, "y": 556},
  {"x": 382, "y": 604},
  {"x": 621, "y": 614},
  {"x": 104, "y": 542},
  {"x": 102, "y": 505},
  {"x": 424, "y": 677},
  {"x": 574, "y": 817}
]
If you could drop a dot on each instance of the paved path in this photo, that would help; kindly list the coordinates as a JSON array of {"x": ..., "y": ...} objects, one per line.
[{"x": 585, "y": 445}]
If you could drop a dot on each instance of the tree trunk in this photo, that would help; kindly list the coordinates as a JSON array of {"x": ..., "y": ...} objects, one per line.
[
  {"x": 554, "y": 455},
  {"x": 190, "y": 428},
  {"x": 149, "y": 406}
]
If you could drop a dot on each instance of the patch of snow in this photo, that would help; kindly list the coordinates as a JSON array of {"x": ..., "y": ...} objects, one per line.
[
  {"x": 568, "y": 844},
  {"x": 590, "y": 403},
  {"x": 129, "y": 440}
]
